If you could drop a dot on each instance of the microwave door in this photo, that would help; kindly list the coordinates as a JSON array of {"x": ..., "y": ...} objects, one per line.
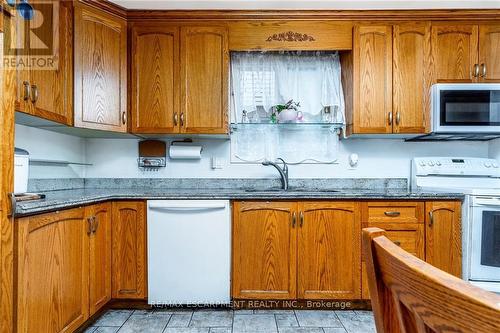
[{"x": 485, "y": 246}]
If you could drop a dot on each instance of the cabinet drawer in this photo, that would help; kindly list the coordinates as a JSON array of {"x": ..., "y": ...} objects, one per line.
[
  {"x": 393, "y": 212},
  {"x": 409, "y": 240}
]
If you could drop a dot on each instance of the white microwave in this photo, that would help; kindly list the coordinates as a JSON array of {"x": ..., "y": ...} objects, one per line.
[{"x": 467, "y": 108}]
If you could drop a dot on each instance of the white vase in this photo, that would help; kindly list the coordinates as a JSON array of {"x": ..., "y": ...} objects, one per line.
[{"x": 287, "y": 116}]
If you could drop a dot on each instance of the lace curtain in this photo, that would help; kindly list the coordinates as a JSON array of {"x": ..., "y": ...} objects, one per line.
[{"x": 262, "y": 80}]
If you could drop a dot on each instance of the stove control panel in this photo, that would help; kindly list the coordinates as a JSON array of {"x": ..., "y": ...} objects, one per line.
[{"x": 459, "y": 166}]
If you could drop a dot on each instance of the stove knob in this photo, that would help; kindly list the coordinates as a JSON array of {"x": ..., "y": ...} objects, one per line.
[
  {"x": 487, "y": 164},
  {"x": 438, "y": 163},
  {"x": 431, "y": 163},
  {"x": 422, "y": 163},
  {"x": 495, "y": 165}
]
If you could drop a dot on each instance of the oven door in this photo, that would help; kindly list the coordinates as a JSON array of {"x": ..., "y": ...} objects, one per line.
[
  {"x": 466, "y": 108},
  {"x": 485, "y": 238}
]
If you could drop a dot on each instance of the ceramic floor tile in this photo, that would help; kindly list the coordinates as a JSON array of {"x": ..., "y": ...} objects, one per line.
[
  {"x": 103, "y": 329},
  {"x": 186, "y": 330},
  {"x": 220, "y": 330},
  {"x": 254, "y": 323},
  {"x": 334, "y": 330},
  {"x": 313, "y": 318},
  {"x": 358, "y": 324},
  {"x": 113, "y": 318},
  {"x": 300, "y": 330},
  {"x": 243, "y": 311},
  {"x": 266, "y": 311},
  {"x": 363, "y": 312},
  {"x": 90, "y": 329},
  {"x": 145, "y": 324},
  {"x": 286, "y": 320},
  {"x": 212, "y": 319},
  {"x": 179, "y": 320}
]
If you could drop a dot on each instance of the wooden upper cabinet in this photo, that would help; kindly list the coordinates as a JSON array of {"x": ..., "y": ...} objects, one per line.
[
  {"x": 155, "y": 79},
  {"x": 489, "y": 53},
  {"x": 454, "y": 52},
  {"x": 264, "y": 250},
  {"x": 204, "y": 80},
  {"x": 47, "y": 91},
  {"x": 412, "y": 77},
  {"x": 329, "y": 250},
  {"x": 372, "y": 79},
  {"x": 52, "y": 272},
  {"x": 100, "y": 70},
  {"x": 128, "y": 250},
  {"x": 99, "y": 231},
  {"x": 443, "y": 241},
  {"x": 290, "y": 35}
]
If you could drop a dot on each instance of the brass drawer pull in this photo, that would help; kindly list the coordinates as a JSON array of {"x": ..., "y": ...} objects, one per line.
[
  {"x": 176, "y": 119},
  {"x": 34, "y": 93},
  {"x": 483, "y": 70},
  {"x": 294, "y": 219},
  {"x": 431, "y": 218},
  {"x": 392, "y": 214},
  {"x": 124, "y": 118},
  {"x": 182, "y": 119},
  {"x": 26, "y": 90},
  {"x": 301, "y": 217},
  {"x": 476, "y": 70},
  {"x": 390, "y": 118},
  {"x": 398, "y": 243}
]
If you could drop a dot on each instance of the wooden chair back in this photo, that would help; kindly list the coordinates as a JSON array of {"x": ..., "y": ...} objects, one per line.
[{"x": 409, "y": 295}]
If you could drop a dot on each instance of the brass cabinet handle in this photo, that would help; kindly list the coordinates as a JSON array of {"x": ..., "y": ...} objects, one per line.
[
  {"x": 176, "y": 119},
  {"x": 301, "y": 218},
  {"x": 398, "y": 118},
  {"x": 431, "y": 218},
  {"x": 34, "y": 93},
  {"x": 294, "y": 219},
  {"x": 476, "y": 70},
  {"x": 483, "y": 70},
  {"x": 26, "y": 90},
  {"x": 124, "y": 118},
  {"x": 182, "y": 119},
  {"x": 398, "y": 243},
  {"x": 96, "y": 224},
  {"x": 392, "y": 214},
  {"x": 390, "y": 118},
  {"x": 89, "y": 225}
]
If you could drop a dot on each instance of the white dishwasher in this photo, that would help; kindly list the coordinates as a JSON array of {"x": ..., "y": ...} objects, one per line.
[{"x": 189, "y": 252}]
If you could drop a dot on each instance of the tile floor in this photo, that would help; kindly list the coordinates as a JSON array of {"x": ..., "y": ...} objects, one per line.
[{"x": 237, "y": 321}]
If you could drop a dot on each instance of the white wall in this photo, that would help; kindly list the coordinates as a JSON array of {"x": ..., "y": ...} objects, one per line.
[
  {"x": 117, "y": 158},
  {"x": 378, "y": 158},
  {"x": 494, "y": 149},
  {"x": 43, "y": 144}
]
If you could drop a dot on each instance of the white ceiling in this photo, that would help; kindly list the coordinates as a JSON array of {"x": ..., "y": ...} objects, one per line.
[{"x": 304, "y": 4}]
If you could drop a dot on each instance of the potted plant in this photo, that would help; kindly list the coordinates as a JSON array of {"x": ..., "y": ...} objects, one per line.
[{"x": 285, "y": 113}]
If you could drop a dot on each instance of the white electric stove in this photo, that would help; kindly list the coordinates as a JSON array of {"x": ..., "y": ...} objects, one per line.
[{"x": 479, "y": 180}]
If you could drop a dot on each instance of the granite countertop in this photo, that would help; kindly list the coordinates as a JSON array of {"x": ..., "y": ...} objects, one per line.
[{"x": 62, "y": 199}]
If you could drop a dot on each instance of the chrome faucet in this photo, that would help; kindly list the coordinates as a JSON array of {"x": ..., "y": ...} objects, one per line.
[{"x": 283, "y": 171}]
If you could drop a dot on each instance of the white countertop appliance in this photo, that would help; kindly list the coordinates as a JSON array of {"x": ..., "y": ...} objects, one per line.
[
  {"x": 189, "y": 251},
  {"x": 21, "y": 170},
  {"x": 479, "y": 180}
]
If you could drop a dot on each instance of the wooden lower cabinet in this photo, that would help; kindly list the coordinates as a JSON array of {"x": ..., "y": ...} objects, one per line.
[
  {"x": 264, "y": 250},
  {"x": 329, "y": 250},
  {"x": 52, "y": 272},
  {"x": 99, "y": 231},
  {"x": 443, "y": 236},
  {"x": 128, "y": 234}
]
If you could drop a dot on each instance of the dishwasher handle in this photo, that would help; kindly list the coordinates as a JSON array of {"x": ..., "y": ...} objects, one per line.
[{"x": 178, "y": 206}]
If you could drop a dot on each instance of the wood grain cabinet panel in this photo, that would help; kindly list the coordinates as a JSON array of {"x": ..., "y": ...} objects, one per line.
[
  {"x": 489, "y": 53},
  {"x": 52, "y": 272},
  {"x": 329, "y": 250},
  {"x": 99, "y": 220},
  {"x": 454, "y": 52},
  {"x": 372, "y": 79},
  {"x": 155, "y": 79},
  {"x": 264, "y": 250},
  {"x": 128, "y": 233},
  {"x": 412, "y": 77},
  {"x": 100, "y": 70},
  {"x": 443, "y": 236},
  {"x": 204, "y": 80},
  {"x": 47, "y": 91}
]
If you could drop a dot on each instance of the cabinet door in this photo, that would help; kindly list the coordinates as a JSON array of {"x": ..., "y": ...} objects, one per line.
[
  {"x": 489, "y": 53},
  {"x": 52, "y": 86},
  {"x": 52, "y": 272},
  {"x": 443, "y": 236},
  {"x": 264, "y": 250},
  {"x": 373, "y": 79},
  {"x": 100, "y": 70},
  {"x": 204, "y": 79},
  {"x": 454, "y": 52},
  {"x": 412, "y": 77},
  {"x": 99, "y": 217},
  {"x": 155, "y": 79},
  {"x": 329, "y": 250},
  {"x": 128, "y": 230}
]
